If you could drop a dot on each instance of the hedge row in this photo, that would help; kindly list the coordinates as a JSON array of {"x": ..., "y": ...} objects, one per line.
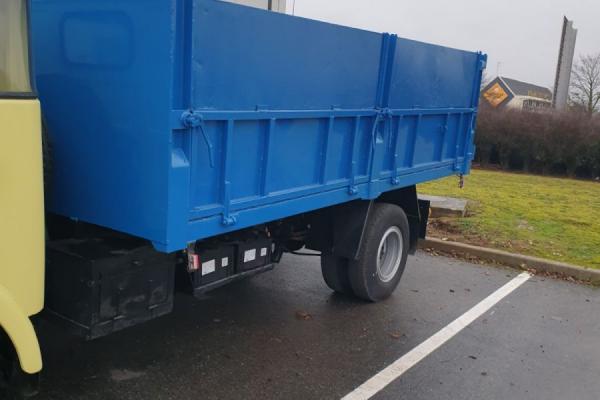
[{"x": 556, "y": 143}]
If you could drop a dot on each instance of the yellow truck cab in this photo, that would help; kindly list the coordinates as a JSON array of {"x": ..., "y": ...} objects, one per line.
[{"x": 21, "y": 197}]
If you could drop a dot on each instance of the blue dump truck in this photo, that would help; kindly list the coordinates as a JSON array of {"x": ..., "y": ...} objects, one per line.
[{"x": 191, "y": 143}]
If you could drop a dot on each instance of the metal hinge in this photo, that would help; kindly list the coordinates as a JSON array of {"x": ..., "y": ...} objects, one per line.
[
  {"x": 229, "y": 220},
  {"x": 482, "y": 62}
]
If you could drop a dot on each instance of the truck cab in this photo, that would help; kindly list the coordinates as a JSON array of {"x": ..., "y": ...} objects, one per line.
[{"x": 21, "y": 199}]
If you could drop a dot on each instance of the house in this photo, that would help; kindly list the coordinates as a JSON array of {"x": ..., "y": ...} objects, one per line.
[{"x": 511, "y": 93}]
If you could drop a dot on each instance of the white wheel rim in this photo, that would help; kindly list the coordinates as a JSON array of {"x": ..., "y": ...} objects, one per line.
[{"x": 389, "y": 254}]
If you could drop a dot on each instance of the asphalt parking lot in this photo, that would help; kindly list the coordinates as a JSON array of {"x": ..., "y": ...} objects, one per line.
[{"x": 284, "y": 335}]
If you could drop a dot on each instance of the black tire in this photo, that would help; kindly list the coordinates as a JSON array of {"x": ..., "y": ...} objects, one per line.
[
  {"x": 365, "y": 279},
  {"x": 335, "y": 273}
]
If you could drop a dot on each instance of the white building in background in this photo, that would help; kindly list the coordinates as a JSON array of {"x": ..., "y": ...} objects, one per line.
[
  {"x": 511, "y": 93},
  {"x": 275, "y": 5}
]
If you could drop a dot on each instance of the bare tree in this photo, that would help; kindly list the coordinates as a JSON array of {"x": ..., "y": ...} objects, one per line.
[{"x": 585, "y": 83}]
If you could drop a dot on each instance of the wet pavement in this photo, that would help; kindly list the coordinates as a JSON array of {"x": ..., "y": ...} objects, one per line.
[{"x": 284, "y": 335}]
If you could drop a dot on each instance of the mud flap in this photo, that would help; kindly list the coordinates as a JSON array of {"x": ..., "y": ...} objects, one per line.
[{"x": 349, "y": 222}]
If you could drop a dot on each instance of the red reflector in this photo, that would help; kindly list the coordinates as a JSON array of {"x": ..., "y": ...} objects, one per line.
[{"x": 193, "y": 262}]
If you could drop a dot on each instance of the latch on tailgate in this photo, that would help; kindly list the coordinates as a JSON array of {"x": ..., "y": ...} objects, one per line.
[{"x": 193, "y": 119}]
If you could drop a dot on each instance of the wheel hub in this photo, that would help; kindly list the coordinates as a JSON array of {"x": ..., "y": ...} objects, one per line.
[{"x": 389, "y": 255}]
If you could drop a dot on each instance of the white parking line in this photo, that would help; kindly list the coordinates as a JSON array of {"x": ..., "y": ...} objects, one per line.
[{"x": 413, "y": 357}]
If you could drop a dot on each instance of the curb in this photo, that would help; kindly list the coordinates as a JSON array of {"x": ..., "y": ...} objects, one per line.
[{"x": 518, "y": 261}]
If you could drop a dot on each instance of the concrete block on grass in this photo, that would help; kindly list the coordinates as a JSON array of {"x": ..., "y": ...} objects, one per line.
[{"x": 446, "y": 206}]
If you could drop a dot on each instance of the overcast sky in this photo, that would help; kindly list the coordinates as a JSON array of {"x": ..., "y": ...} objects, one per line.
[{"x": 522, "y": 35}]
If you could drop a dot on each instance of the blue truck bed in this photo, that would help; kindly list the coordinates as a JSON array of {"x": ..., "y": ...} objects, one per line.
[{"x": 179, "y": 120}]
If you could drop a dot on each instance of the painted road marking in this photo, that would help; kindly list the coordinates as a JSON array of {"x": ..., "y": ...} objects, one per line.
[{"x": 413, "y": 357}]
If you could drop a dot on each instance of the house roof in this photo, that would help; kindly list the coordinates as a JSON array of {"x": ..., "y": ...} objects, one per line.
[{"x": 519, "y": 88}]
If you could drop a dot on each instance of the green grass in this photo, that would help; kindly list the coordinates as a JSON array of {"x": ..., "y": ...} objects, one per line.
[{"x": 553, "y": 218}]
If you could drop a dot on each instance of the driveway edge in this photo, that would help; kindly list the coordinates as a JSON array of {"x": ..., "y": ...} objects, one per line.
[{"x": 518, "y": 261}]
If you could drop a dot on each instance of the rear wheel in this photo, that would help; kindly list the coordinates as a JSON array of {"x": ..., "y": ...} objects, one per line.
[
  {"x": 335, "y": 273},
  {"x": 382, "y": 258}
]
